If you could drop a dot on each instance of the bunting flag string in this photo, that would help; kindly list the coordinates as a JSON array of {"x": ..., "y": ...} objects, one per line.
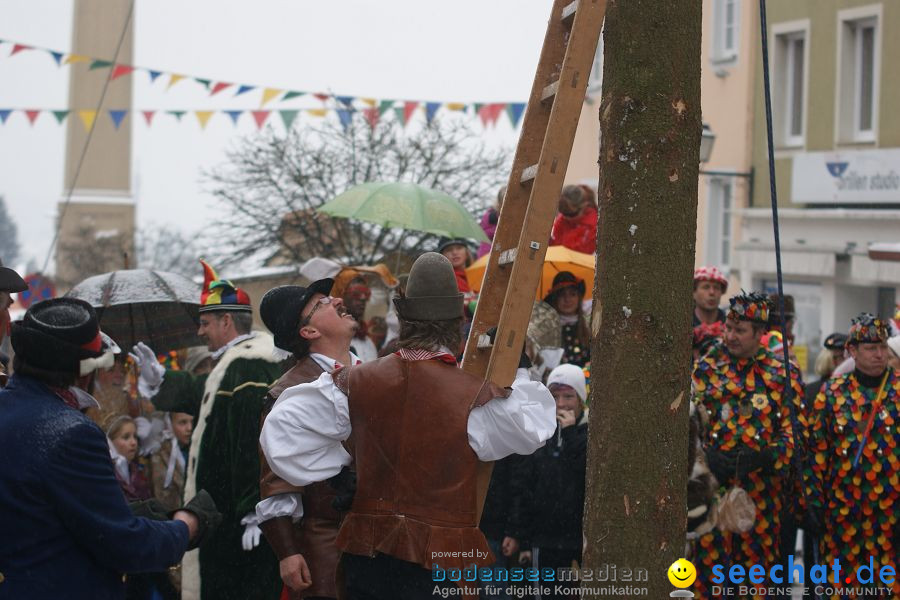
[{"x": 372, "y": 108}]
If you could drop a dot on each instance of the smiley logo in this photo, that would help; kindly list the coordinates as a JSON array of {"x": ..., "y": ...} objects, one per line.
[{"x": 682, "y": 573}]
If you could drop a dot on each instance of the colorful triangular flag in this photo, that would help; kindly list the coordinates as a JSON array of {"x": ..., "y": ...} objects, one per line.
[
  {"x": 318, "y": 112},
  {"x": 260, "y": 117},
  {"x": 346, "y": 100},
  {"x": 177, "y": 113},
  {"x": 87, "y": 118},
  {"x": 4, "y": 115},
  {"x": 204, "y": 82},
  {"x": 287, "y": 117},
  {"x": 369, "y": 101},
  {"x": 243, "y": 89},
  {"x": 120, "y": 70},
  {"x": 477, "y": 106},
  {"x": 269, "y": 94},
  {"x": 148, "y": 116},
  {"x": 153, "y": 74},
  {"x": 75, "y": 58},
  {"x": 32, "y": 115},
  {"x": 431, "y": 109},
  {"x": 489, "y": 113},
  {"x": 219, "y": 87},
  {"x": 408, "y": 109},
  {"x": 321, "y": 96},
  {"x": 455, "y": 106},
  {"x": 383, "y": 106},
  {"x": 514, "y": 111},
  {"x": 60, "y": 115},
  {"x": 173, "y": 79},
  {"x": 57, "y": 56},
  {"x": 203, "y": 117},
  {"x": 117, "y": 116},
  {"x": 234, "y": 114},
  {"x": 398, "y": 112},
  {"x": 371, "y": 114},
  {"x": 18, "y": 48},
  {"x": 99, "y": 64},
  {"x": 345, "y": 116},
  {"x": 292, "y": 94}
]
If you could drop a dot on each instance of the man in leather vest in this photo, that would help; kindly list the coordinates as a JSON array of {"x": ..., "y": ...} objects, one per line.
[
  {"x": 301, "y": 523},
  {"x": 417, "y": 427}
]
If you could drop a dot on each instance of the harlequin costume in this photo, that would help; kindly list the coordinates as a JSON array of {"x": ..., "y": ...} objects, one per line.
[
  {"x": 226, "y": 405},
  {"x": 744, "y": 399},
  {"x": 858, "y": 504}
]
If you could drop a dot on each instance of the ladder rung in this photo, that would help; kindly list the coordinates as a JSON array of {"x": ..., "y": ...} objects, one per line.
[
  {"x": 550, "y": 91},
  {"x": 507, "y": 257},
  {"x": 484, "y": 341},
  {"x": 569, "y": 11},
  {"x": 528, "y": 174}
]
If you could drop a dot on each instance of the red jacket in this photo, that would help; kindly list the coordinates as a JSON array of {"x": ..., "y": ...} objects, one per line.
[
  {"x": 576, "y": 233},
  {"x": 462, "y": 280}
]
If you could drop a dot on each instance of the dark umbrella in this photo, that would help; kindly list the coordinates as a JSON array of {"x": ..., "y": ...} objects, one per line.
[{"x": 140, "y": 305}]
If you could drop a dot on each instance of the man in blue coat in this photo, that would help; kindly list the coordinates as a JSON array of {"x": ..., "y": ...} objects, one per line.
[{"x": 67, "y": 530}]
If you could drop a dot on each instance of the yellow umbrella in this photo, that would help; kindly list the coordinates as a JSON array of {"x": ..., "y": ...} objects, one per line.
[{"x": 558, "y": 258}]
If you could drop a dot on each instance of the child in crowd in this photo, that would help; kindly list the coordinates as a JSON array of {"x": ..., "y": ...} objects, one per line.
[
  {"x": 169, "y": 461},
  {"x": 123, "y": 448}
]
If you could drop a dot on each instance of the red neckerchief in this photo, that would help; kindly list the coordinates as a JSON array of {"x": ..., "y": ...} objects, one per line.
[
  {"x": 66, "y": 396},
  {"x": 420, "y": 354}
]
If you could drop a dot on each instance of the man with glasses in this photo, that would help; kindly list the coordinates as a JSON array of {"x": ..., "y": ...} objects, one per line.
[
  {"x": 226, "y": 405},
  {"x": 10, "y": 283},
  {"x": 302, "y": 523}
]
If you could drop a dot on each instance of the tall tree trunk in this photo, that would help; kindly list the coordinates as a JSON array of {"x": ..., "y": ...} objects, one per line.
[{"x": 635, "y": 515}]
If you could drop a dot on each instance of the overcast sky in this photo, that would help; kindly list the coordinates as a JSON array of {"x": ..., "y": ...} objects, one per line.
[{"x": 464, "y": 50}]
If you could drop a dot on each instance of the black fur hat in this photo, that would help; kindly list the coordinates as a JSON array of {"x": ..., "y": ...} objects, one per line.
[{"x": 57, "y": 334}]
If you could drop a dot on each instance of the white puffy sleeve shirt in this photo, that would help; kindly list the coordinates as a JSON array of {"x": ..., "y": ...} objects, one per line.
[{"x": 301, "y": 437}]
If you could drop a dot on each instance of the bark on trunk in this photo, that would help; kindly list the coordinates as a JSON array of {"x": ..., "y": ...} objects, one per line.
[{"x": 635, "y": 515}]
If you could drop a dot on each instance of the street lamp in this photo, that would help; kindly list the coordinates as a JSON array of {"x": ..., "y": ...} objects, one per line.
[{"x": 707, "y": 139}]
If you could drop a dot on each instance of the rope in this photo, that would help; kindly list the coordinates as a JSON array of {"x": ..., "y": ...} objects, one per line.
[
  {"x": 788, "y": 391},
  {"x": 87, "y": 141}
]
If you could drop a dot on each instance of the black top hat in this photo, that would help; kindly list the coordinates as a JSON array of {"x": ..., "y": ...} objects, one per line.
[
  {"x": 563, "y": 280},
  {"x": 280, "y": 310},
  {"x": 10, "y": 280},
  {"x": 57, "y": 334}
]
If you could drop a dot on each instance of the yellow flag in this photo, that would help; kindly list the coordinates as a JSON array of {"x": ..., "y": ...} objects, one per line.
[
  {"x": 173, "y": 79},
  {"x": 455, "y": 106},
  {"x": 203, "y": 117},
  {"x": 269, "y": 94},
  {"x": 318, "y": 112},
  {"x": 74, "y": 58},
  {"x": 369, "y": 101},
  {"x": 87, "y": 118}
]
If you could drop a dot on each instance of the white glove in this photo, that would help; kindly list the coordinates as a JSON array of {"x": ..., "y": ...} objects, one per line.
[
  {"x": 252, "y": 532},
  {"x": 151, "y": 371}
]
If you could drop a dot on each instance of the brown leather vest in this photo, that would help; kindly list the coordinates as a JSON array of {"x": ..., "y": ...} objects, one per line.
[
  {"x": 314, "y": 535},
  {"x": 416, "y": 494}
]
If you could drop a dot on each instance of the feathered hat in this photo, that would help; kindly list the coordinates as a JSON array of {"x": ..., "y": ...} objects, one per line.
[
  {"x": 221, "y": 294},
  {"x": 752, "y": 306},
  {"x": 867, "y": 329}
]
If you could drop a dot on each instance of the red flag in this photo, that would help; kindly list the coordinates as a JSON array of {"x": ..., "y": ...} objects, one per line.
[
  {"x": 120, "y": 70},
  {"x": 408, "y": 109},
  {"x": 219, "y": 87},
  {"x": 32, "y": 115},
  {"x": 260, "y": 117},
  {"x": 371, "y": 114},
  {"x": 489, "y": 113},
  {"x": 148, "y": 116},
  {"x": 18, "y": 48},
  {"x": 322, "y": 97}
]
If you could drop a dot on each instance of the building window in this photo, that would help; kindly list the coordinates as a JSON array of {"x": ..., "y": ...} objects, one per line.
[
  {"x": 725, "y": 30},
  {"x": 859, "y": 36},
  {"x": 721, "y": 201},
  {"x": 790, "y": 67}
]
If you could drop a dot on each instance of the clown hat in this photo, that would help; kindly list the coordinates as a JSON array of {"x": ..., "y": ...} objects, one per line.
[
  {"x": 711, "y": 274},
  {"x": 867, "y": 329},
  {"x": 221, "y": 294},
  {"x": 752, "y": 306}
]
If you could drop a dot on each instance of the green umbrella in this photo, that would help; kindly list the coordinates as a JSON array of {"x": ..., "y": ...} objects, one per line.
[{"x": 405, "y": 206}]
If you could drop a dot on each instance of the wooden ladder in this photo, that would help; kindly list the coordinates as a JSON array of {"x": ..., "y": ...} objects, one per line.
[{"x": 542, "y": 156}]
